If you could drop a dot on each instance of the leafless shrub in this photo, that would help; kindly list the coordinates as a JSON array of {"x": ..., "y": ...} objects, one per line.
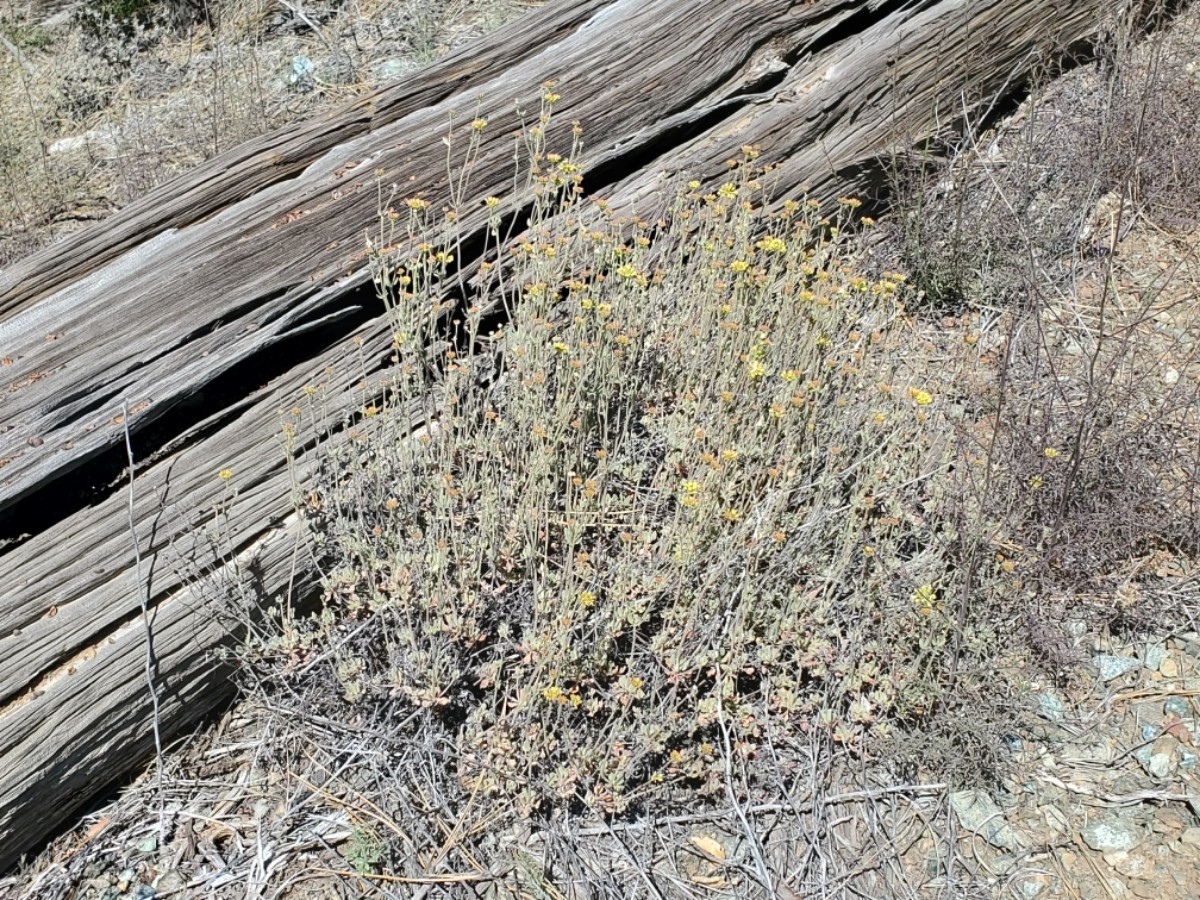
[{"x": 1080, "y": 477}]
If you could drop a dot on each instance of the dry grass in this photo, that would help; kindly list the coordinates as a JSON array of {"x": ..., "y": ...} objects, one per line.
[{"x": 100, "y": 113}]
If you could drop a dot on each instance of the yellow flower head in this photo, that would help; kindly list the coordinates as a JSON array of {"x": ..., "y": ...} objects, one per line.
[{"x": 920, "y": 397}]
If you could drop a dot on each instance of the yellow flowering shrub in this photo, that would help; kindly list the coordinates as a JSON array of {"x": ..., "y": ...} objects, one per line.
[{"x": 653, "y": 511}]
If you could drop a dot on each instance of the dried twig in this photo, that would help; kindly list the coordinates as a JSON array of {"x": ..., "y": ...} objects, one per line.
[{"x": 144, "y": 599}]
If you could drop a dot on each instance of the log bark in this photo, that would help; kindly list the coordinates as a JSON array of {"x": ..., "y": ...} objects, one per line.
[{"x": 212, "y": 303}]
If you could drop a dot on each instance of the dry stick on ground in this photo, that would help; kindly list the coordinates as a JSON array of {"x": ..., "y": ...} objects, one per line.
[
  {"x": 144, "y": 600},
  {"x": 764, "y": 873}
]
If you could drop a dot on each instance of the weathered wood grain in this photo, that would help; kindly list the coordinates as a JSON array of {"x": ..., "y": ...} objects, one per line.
[{"x": 229, "y": 289}]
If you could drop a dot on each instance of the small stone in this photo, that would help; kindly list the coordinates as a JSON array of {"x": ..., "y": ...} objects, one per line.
[
  {"x": 1171, "y": 376},
  {"x": 1055, "y": 818},
  {"x": 1178, "y": 706},
  {"x": 1112, "y": 833},
  {"x": 1050, "y": 707},
  {"x": 146, "y": 845},
  {"x": 978, "y": 812},
  {"x": 1142, "y": 755},
  {"x": 1128, "y": 782},
  {"x": 1149, "y": 732},
  {"x": 1155, "y": 654},
  {"x": 1147, "y": 711},
  {"x": 1169, "y": 668},
  {"x": 1003, "y": 865},
  {"x": 1164, "y": 757},
  {"x": 1191, "y": 837},
  {"x": 1115, "y": 666},
  {"x": 1167, "y": 820},
  {"x": 144, "y": 892},
  {"x": 1030, "y": 887},
  {"x": 170, "y": 882},
  {"x": 1131, "y": 865},
  {"x": 1116, "y": 857}
]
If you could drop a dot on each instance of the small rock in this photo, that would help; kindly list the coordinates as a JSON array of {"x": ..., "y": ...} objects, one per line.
[
  {"x": 144, "y": 892},
  {"x": 1131, "y": 865},
  {"x": 1178, "y": 706},
  {"x": 1115, "y": 666},
  {"x": 170, "y": 882},
  {"x": 1150, "y": 732},
  {"x": 1171, "y": 376},
  {"x": 1128, "y": 782},
  {"x": 1155, "y": 654},
  {"x": 1111, "y": 834},
  {"x": 1030, "y": 887},
  {"x": 302, "y": 73},
  {"x": 978, "y": 812},
  {"x": 1168, "y": 820},
  {"x": 1050, "y": 707},
  {"x": 97, "y": 886},
  {"x": 1191, "y": 837},
  {"x": 146, "y": 845},
  {"x": 1147, "y": 711},
  {"x": 124, "y": 879},
  {"x": 1162, "y": 759},
  {"x": 1142, "y": 755},
  {"x": 1003, "y": 865},
  {"x": 1055, "y": 818},
  {"x": 1169, "y": 668}
]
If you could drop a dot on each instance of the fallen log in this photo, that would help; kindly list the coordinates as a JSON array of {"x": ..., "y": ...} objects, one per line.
[{"x": 211, "y": 304}]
